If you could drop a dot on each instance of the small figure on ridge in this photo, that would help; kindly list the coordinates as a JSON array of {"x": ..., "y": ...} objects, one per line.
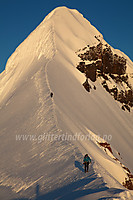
[
  {"x": 51, "y": 94},
  {"x": 86, "y": 162}
]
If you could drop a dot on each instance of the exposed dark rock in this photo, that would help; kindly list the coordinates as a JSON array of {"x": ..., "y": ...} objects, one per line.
[
  {"x": 129, "y": 95},
  {"x": 126, "y": 169},
  {"x": 121, "y": 97},
  {"x": 114, "y": 91},
  {"x": 106, "y": 86},
  {"x": 116, "y": 159},
  {"x": 112, "y": 76},
  {"x": 112, "y": 64},
  {"x": 97, "y": 38},
  {"x": 94, "y": 87},
  {"x": 123, "y": 108},
  {"x": 104, "y": 82},
  {"x": 106, "y": 145},
  {"x": 104, "y": 64},
  {"x": 81, "y": 67},
  {"x": 90, "y": 71},
  {"x": 107, "y": 59},
  {"x": 131, "y": 104},
  {"x": 84, "y": 48},
  {"x": 120, "y": 78},
  {"x": 126, "y": 97},
  {"x": 99, "y": 50},
  {"x": 93, "y": 53},
  {"x": 104, "y": 76},
  {"x": 99, "y": 64},
  {"x": 128, "y": 184},
  {"x": 124, "y": 78},
  {"x": 119, "y": 65},
  {"x": 127, "y": 107},
  {"x": 87, "y": 86}
]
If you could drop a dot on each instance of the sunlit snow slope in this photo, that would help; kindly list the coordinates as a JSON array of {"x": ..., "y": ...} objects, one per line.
[{"x": 46, "y": 61}]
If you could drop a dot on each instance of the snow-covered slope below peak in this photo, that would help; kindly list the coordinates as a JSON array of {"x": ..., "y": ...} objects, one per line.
[{"x": 86, "y": 114}]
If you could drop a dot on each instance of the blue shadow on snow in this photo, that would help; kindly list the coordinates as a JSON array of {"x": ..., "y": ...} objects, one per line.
[{"x": 76, "y": 189}]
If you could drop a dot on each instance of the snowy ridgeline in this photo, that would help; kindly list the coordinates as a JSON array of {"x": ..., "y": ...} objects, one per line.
[{"x": 46, "y": 62}]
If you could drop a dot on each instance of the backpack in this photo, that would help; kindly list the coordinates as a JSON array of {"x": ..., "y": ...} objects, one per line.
[{"x": 87, "y": 159}]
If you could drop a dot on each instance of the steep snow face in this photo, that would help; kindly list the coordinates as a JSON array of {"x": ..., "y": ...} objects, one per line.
[
  {"x": 46, "y": 61},
  {"x": 40, "y": 44},
  {"x": 72, "y": 31},
  {"x": 96, "y": 111},
  {"x": 23, "y": 63}
]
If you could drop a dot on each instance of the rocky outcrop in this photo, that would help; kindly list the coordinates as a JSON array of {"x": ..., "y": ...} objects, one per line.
[
  {"x": 106, "y": 146},
  {"x": 119, "y": 65},
  {"x": 87, "y": 86},
  {"x": 128, "y": 182},
  {"x": 107, "y": 60},
  {"x": 81, "y": 67},
  {"x": 99, "y": 61},
  {"x": 94, "y": 53},
  {"x": 90, "y": 71},
  {"x": 103, "y": 59}
]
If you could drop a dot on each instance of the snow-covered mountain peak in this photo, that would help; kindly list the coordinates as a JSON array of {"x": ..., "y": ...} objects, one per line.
[
  {"x": 62, "y": 22},
  {"x": 49, "y": 119},
  {"x": 61, "y": 11},
  {"x": 63, "y": 30}
]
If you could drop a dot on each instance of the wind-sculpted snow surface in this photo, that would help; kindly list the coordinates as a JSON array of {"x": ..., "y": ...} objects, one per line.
[
  {"x": 43, "y": 138},
  {"x": 24, "y": 62}
]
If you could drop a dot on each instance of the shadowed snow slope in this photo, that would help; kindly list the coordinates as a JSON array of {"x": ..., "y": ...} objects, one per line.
[{"x": 30, "y": 119}]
